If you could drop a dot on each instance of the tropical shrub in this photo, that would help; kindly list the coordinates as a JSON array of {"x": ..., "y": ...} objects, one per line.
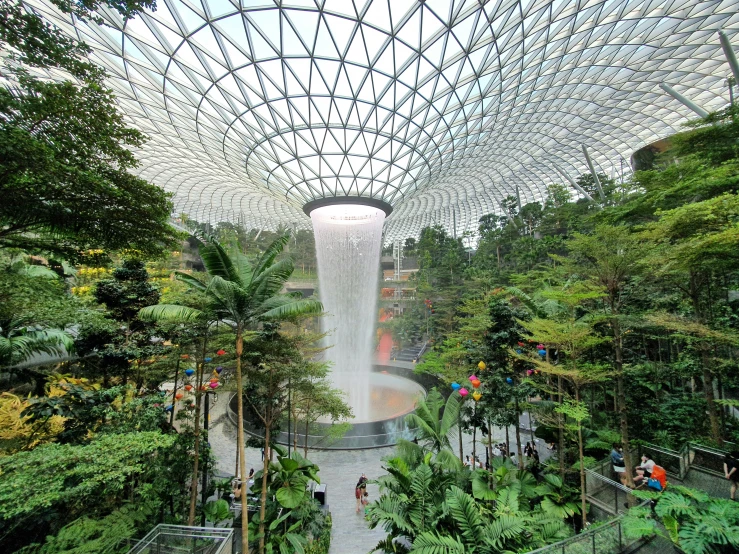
[{"x": 692, "y": 520}]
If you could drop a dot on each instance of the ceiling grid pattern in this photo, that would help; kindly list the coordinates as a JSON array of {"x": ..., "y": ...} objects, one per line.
[{"x": 441, "y": 108}]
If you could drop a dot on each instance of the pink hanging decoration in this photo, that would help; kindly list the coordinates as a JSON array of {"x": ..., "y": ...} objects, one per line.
[
  {"x": 473, "y": 378},
  {"x": 463, "y": 392}
]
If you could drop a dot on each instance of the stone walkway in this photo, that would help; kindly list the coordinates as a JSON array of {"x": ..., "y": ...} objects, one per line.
[{"x": 339, "y": 470}]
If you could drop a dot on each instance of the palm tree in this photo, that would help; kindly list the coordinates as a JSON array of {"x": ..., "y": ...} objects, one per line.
[
  {"x": 19, "y": 341},
  {"x": 435, "y": 420},
  {"x": 243, "y": 294}
]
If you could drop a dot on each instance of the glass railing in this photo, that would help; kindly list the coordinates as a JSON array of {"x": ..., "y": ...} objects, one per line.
[{"x": 178, "y": 539}]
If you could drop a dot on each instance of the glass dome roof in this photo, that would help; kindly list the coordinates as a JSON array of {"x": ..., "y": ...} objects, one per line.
[{"x": 440, "y": 108}]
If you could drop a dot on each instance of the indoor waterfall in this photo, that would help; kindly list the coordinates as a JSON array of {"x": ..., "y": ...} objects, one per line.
[{"x": 348, "y": 242}]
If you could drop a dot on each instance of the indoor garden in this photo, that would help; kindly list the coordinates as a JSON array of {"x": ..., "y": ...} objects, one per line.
[{"x": 324, "y": 277}]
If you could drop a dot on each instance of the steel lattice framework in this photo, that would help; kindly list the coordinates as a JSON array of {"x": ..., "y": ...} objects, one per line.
[{"x": 439, "y": 107}]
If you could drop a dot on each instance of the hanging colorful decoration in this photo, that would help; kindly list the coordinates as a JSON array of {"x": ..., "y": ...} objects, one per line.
[
  {"x": 456, "y": 386},
  {"x": 179, "y": 396},
  {"x": 521, "y": 343},
  {"x": 472, "y": 378},
  {"x": 542, "y": 353},
  {"x": 207, "y": 360},
  {"x": 213, "y": 384},
  {"x": 476, "y": 396},
  {"x": 168, "y": 408},
  {"x": 509, "y": 380},
  {"x": 476, "y": 383},
  {"x": 463, "y": 392},
  {"x": 188, "y": 387},
  {"x": 529, "y": 371},
  {"x": 221, "y": 352},
  {"x": 481, "y": 365},
  {"x": 185, "y": 356},
  {"x": 219, "y": 369},
  {"x": 189, "y": 372}
]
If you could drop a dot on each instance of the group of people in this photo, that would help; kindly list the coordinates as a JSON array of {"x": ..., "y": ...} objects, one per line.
[
  {"x": 646, "y": 473},
  {"x": 501, "y": 449}
]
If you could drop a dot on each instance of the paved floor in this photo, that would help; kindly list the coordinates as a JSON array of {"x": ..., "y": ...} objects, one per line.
[{"x": 339, "y": 470}]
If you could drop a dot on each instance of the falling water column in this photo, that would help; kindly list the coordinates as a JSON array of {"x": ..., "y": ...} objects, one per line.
[{"x": 348, "y": 243}]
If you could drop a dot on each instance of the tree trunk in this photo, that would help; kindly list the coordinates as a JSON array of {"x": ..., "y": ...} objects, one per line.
[
  {"x": 491, "y": 478},
  {"x": 263, "y": 497},
  {"x": 710, "y": 400},
  {"x": 196, "y": 449},
  {"x": 622, "y": 415},
  {"x": 518, "y": 435},
  {"x": 459, "y": 435},
  {"x": 240, "y": 440},
  {"x": 560, "y": 431},
  {"x": 507, "y": 444},
  {"x": 581, "y": 454}
]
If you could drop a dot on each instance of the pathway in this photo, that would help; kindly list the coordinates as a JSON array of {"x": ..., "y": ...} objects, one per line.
[{"x": 339, "y": 470}]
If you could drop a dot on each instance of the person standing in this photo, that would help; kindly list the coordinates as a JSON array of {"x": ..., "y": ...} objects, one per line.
[
  {"x": 731, "y": 471},
  {"x": 360, "y": 491}
]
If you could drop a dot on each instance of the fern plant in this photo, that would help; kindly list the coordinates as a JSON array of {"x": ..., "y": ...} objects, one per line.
[{"x": 692, "y": 520}]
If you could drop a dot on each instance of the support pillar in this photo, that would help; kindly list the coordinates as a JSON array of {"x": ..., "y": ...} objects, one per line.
[{"x": 684, "y": 101}]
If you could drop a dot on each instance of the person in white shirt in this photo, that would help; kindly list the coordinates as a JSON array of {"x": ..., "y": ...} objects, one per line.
[{"x": 644, "y": 471}]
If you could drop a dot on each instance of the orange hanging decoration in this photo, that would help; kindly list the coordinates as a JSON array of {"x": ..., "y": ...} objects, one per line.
[
  {"x": 476, "y": 383},
  {"x": 188, "y": 388},
  {"x": 179, "y": 395}
]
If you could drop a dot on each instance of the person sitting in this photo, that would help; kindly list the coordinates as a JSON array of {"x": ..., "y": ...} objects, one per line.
[
  {"x": 644, "y": 470},
  {"x": 619, "y": 466}
]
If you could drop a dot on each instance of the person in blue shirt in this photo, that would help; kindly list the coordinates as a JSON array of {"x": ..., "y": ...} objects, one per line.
[{"x": 617, "y": 459}]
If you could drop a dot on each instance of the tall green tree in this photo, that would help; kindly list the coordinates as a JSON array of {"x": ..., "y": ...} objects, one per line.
[
  {"x": 242, "y": 293},
  {"x": 66, "y": 153},
  {"x": 611, "y": 257}
]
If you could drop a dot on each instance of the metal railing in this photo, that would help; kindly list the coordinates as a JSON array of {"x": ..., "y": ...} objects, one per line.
[
  {"x": 606, "y": 538},
  {"x": 674, "y": 462},
  {"x": 607, "y": 494},
  {"x": 706, "y": 459}
]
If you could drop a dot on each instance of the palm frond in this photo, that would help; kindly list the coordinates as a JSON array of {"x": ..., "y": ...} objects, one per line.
[
  {"x": 170, "y": 313},
  {"x": 190, "y": 281},
  {"x": 503, "y": 529},
  {"x": 433, "y": 543},
  {"x": 466, "y": 516},
  {"x": 228, "y": 297},
  {"x": 272, "y": 279},
  {"x": 293, "y": 308},
  {"x": 269, "y": 255},
  {"x": 218, "y": 263},
  {"x": 451, "y": 416}
]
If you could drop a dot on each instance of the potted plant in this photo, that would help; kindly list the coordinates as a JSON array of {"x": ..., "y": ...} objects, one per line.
[{"x": 692, "y": 520}]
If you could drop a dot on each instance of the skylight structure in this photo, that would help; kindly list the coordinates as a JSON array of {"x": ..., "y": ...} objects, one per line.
[{"x": 440, "y": 108}]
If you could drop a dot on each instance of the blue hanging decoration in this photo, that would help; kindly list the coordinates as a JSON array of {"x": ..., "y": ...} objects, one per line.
[
  {"x": 456, "y": 386},
  {"x": 189, "y": 372},
  {"x": 518, "y": 350},
  {"x": 509, "y": 380},
  {"x": 208, "y": 360},
  {"x": 168, "y": 408},
  {"x": 543, "y": 353}
]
